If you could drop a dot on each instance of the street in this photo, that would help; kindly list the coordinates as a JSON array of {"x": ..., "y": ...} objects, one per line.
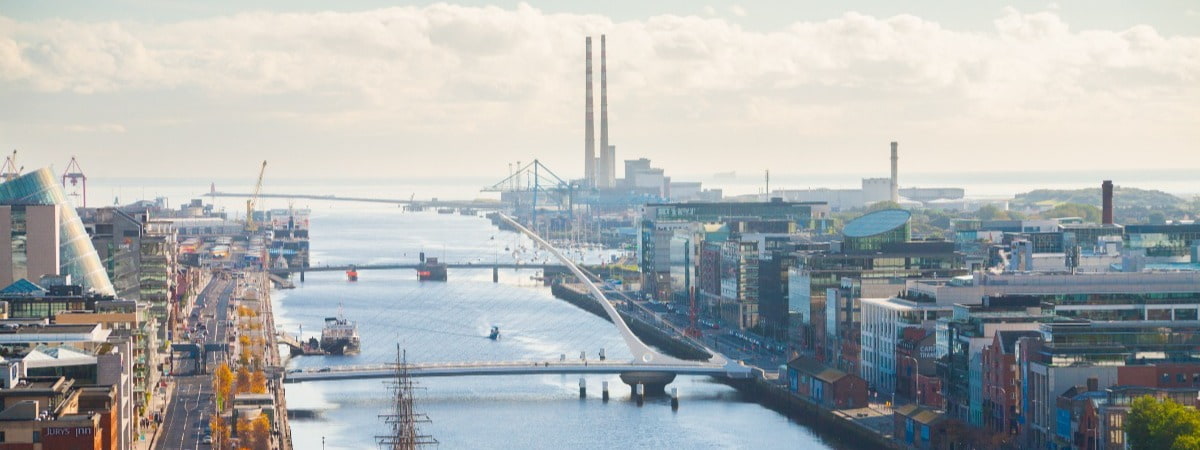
[{"x": 191, "y": 405}]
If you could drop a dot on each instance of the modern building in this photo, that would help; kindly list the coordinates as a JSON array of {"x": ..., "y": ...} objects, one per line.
[
  {"x": 883, "y": 323},
  {"x": 26, "y": 199}
]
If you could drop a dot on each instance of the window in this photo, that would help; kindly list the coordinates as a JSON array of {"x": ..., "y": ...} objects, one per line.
[
  {"x": 37, "y": 436},
  {"x": 1180, "y": 377}
]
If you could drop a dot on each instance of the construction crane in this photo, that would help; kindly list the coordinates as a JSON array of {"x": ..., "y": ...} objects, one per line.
[{"x": 251, "y": 225}]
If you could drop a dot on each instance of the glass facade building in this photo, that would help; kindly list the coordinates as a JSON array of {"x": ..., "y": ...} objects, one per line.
[
  {"x": 872, "y": 231},
  {"x": 77, "y": 256}
]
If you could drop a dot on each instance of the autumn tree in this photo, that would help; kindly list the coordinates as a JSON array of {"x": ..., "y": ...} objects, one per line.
[
  {"x": 243, "y": 380},
  {"x": 220, "y": 431},
  {"x": 222, "y": 384},
  {"x": 259, "y": 433},
  {"x": 1154, "y": 424},
  {"x": 258, "y": 382}
]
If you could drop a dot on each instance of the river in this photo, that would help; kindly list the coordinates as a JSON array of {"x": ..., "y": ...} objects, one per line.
[{"x": 449, "y": 321}]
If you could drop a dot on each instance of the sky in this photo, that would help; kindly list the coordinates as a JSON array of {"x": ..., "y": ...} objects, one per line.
[{"x": 414, "y": 90}]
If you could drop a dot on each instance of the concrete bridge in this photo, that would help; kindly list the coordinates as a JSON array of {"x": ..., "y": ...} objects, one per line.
[
  {"x": 513, "y": 368},
  {"x": 649, "y": 368},
  {"x": 489, "y": 266},
  {"x": 433, "y": 203}
]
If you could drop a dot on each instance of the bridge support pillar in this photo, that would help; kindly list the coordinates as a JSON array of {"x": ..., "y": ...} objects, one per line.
[
  {"x": 604, "y": 391},
  {"x": 655, "y": 383},
  {"x": 495, "y": 274},
  {"x": 582, "y": 388},
  {"x": 674, "y": 399},
  {"x": 301, "y": 276},
  {"x": 640, "y": 394}
]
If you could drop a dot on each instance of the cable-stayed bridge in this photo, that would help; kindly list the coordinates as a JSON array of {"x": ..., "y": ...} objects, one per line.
[{"x": 647, "y": 366}]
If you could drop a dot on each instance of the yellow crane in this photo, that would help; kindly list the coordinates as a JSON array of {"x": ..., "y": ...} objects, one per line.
[{"x": 251, "y": 225}]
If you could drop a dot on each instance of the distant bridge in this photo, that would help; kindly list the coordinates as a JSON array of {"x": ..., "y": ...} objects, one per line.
[
  {"x": 475, "y": 204},
  {"x": 342, "y": 268}
]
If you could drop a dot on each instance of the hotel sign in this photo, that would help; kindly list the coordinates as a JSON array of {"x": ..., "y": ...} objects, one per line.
[{"x": 69, "y": 431}]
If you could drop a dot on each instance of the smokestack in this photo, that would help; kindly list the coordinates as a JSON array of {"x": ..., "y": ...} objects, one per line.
[
  {"x": 895, "y": 172},
  {"x": 1106, "y": 194},
  {"x": 589, "y": 145},
  {"x": 604, "y": 173}
]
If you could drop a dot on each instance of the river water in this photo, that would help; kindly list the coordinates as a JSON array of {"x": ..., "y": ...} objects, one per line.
[{"x": 449, "y": 321}]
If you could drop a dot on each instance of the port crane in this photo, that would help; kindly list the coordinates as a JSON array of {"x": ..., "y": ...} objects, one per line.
[
  {"x": 74, "y": 174},
  {"x": 10, "y": 171},
  {"x": 251, "y": 225}
]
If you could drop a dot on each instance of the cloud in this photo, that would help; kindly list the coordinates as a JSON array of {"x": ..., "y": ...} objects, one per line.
[
  {"x": 452, "y": 77},
  {"x": 96, "y": 128},
  {"x": 737, "y": 10}
]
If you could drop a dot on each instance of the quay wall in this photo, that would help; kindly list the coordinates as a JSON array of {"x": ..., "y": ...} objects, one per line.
[{"x": 646, "y": 332}]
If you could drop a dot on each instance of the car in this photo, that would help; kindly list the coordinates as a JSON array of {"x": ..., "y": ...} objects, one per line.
[
  {"x": 324, "y": 369},
  {"x": 207, "y": 439}
]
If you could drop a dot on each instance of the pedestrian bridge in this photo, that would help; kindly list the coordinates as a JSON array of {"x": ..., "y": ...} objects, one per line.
[
  {"x": 648, "y": 366},
  {"x": 730, "y": 370}
]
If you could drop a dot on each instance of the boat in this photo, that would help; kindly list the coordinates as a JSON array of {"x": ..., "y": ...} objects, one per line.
[
  {"x": 352, "y": 274},
  {"x": 445, "y": 210},
  {"x": 495, "y": 334},
  {"x": 431, "y": 270},
  {"x": 340, "y": 336}
]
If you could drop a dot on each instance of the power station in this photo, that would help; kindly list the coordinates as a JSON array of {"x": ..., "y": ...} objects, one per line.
[{"x": 597, "y": 172}]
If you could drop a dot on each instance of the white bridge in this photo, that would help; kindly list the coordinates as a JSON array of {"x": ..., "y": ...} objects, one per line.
[{"x": 647, "y": 363}]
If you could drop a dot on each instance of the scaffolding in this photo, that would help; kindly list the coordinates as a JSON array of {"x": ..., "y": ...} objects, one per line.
[{"x": 403, "y": 420}]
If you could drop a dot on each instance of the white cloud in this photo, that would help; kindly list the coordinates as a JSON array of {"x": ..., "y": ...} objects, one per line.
[
  {"x": 709, "y": 10},
  {"x": 96, "y": 128},
  {"x": 737, "y": 10},
  {"x": 451, "y": 77}
]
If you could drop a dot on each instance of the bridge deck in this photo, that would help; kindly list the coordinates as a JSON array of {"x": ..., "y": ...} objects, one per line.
[
  {"x": 493, "y": 369},
  {"x": 417, "y": 266}
]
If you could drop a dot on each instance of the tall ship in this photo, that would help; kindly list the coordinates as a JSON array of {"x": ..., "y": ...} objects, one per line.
[{"x": 340, "y": 336}]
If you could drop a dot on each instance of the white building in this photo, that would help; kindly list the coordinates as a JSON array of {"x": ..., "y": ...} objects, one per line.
[{"x": 883, "y": 319}]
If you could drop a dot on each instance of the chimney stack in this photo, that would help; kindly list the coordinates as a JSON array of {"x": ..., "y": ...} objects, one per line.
[
  {"x": 589, "y": 145},
  {"x": 606, "y": 173},
  {"x": 1106, "y": 194},
  {"x": 895, "y": 170}
]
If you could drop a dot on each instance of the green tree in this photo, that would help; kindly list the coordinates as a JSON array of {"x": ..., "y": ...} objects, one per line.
[
  {"x": 1088, "y": 213},
  {"x": 1154, "y": 424},
  {"x": 880, "y": 206}
]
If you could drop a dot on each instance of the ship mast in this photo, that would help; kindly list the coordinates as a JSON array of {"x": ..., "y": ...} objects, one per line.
[{"x": 405, "y": 435}]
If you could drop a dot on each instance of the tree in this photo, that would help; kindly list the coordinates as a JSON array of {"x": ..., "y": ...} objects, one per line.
[
  {"x": 880, "y": 206},
  {"x": 259, "y": 433},
  {"x": 991, "y": 212},
  {"x": 220, "y": 431},
  {"x": 258, "y": 382},
  {"x": 243, "y": 380},
  {"x": 1154, "y": 424},
  {"x": 222, "y": 384},
  {"x": 1088, "y": 213}
]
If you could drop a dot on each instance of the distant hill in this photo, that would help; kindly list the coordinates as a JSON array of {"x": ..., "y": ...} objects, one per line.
[{"x": 1123, "y": 197}]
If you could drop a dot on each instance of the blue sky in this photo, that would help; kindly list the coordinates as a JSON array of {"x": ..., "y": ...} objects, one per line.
[{"x": 142, "y": 88}]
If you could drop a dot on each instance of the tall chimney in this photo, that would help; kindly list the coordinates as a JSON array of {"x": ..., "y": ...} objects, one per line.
[
  {"x": 604, "y": 173},
  {"x": 589, "y": 144},
  {"x": 1106, "y": 193},
  {"x": 895, "y": 172}
]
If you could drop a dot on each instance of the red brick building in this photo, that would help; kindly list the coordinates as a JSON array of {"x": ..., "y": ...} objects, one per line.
[
  {"x": 1001, "y": 382},
  {"x": 828, "y": 387}
]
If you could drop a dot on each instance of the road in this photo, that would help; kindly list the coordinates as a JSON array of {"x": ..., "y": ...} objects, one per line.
[{"x": 192, "y": 403}]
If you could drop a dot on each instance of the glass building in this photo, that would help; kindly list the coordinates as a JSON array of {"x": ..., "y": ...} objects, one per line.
[
  {"x": 77, "y": 256},
  {"x": 870, "y": 232}
]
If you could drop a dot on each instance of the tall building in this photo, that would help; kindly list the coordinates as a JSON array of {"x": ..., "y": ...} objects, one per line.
[{"x": 23, "y": 226}]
